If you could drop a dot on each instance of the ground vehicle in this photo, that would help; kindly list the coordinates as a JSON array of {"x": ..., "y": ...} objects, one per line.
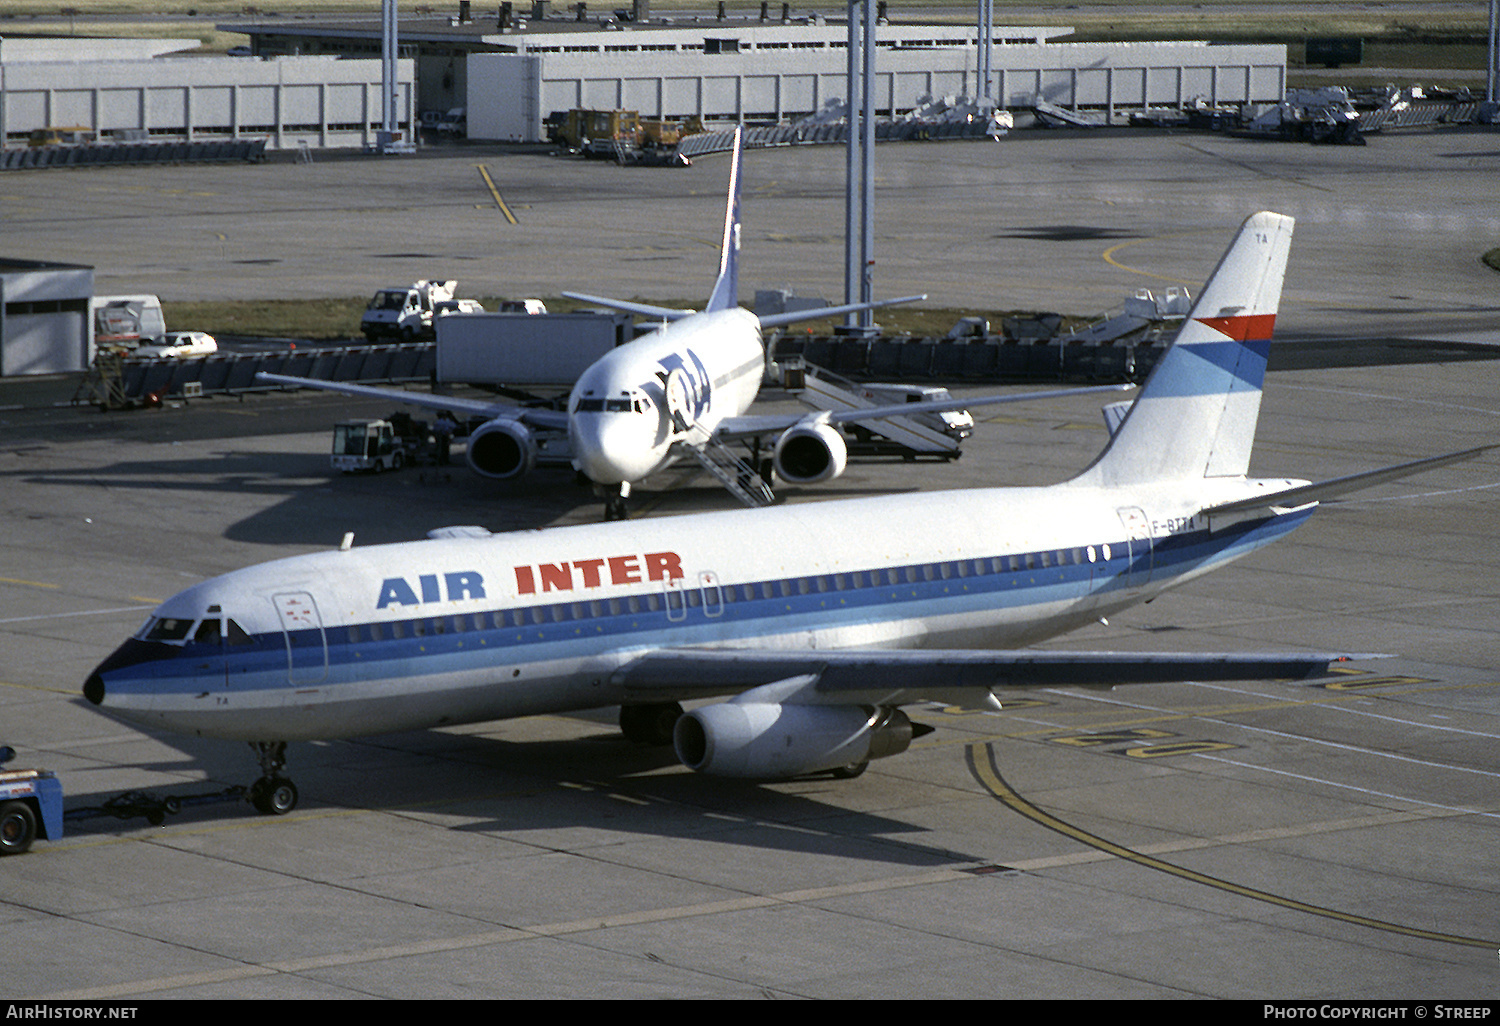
[
  {"x": 405, "y": 313},
  {"x": 608, "y": 133},
  {"x": 523, "y": 306},
  {"x": 30, "y": 806},
  {"x": 449, "y": 306},
  {"x": 455, "y": 122},
  {"x": 367, "y": 445},
  {"x": 127, "y": 321},
  {"x": 72, "y": 135},
  {"x": 181, "y": 345},
  {"x": 954, "y": 423}
]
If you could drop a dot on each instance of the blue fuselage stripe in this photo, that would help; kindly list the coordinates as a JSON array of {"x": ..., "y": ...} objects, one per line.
[{"x": 726, "y": 613}]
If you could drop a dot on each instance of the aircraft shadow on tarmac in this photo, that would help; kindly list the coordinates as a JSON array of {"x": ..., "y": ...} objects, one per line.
[
  {"x": 515, "y": 787},
  {"x": 318, "y": 505}
]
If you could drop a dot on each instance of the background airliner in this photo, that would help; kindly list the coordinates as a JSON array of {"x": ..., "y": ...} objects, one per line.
[
  {"x": 820, "y": 620},
  {"x": 678, "y": 393}
]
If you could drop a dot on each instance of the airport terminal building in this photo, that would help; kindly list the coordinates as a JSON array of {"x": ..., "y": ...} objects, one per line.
[
  {"x": 316, "y": 82},
  {"x": 511, "y": 72}
]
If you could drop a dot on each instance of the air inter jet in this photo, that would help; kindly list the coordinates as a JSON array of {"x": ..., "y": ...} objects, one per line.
[
  {"x": 679, "y": 393},
  {"x": 806, "y": 627}
]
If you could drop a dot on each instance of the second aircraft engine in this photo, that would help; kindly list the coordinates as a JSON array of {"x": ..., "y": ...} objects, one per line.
[
  {"x": 810, "y": 453},
  {"x": 502, "y": 449}
]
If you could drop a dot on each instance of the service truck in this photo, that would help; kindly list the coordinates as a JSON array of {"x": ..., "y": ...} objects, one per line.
[
  {"x": 405, "y": 312},
  {"x": 31, "y": 806},
  {"x": 125, "y": 322},
  {"x": 367, "y": 445}
]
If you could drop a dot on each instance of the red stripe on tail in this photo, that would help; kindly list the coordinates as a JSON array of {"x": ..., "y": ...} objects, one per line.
[{"x": 1245, "y": 328}]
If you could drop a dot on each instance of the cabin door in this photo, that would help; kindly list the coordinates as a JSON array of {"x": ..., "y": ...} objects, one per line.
[
  {"x": 1139, "y": 550},
  {"x": 306, "y": 644}
]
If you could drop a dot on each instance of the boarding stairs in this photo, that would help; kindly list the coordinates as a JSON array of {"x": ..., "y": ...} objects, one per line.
[{"x": 739, "y": 477}]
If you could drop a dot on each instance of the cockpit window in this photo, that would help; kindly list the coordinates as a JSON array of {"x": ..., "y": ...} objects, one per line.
[
  {"x": 207, "y": 632},
  {"x": 236, "y": 633},
  {"x": 168, "y": 628}
]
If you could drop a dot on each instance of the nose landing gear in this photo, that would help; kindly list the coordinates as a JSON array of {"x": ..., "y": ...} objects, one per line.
[{"x": 273, "y": 794}]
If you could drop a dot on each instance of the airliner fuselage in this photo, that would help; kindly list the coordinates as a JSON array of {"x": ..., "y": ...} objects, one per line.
[{"x": 457, "y": 630}]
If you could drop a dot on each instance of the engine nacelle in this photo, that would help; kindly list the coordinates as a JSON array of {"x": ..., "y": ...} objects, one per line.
[
  {"x": 763, "y": 740},
  {"x": 810, "y": 453},
  {"x": 502, "y": 449}
]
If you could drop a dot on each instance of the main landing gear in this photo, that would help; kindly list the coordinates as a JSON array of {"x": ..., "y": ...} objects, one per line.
[
  {"x": 273, "y": 794},
  {"x": 649, "y": 724}
]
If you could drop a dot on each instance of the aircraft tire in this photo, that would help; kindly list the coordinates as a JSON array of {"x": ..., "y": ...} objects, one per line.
[
  {"x": 273, "y": 796},
  {"x": 17, "y": 828}
]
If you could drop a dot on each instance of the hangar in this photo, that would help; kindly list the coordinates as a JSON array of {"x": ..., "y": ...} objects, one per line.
[
  {"x": 511, "y": 71},
  {"x": 148, "y": 90},
  {"x": 44, "y": 317}
]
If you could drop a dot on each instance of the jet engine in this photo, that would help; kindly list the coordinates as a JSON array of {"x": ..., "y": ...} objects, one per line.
[
  {"x": 809, "y": 453},
  {"x": 502, "y": 449},
  {"x": 764, "y": 740}
]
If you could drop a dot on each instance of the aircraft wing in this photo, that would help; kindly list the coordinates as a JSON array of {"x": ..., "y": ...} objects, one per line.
[
  {"x": 963, "y": 676},
  {"x": 797, "y": 316},
  {"x": 734, "y": 428},
  {"x": 1289, "y": 498},
  {"x": 666, "y": 313},
  {"x": 555, "y": 420}
]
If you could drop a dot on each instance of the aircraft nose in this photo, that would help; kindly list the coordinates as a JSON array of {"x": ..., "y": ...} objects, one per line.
[
  {"x": 611, "y": 448},
  {"x": 93, "y": 689}
]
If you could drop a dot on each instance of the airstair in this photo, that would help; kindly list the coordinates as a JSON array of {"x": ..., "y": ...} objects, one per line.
[
  {"x": 741, "y": 479},
  {"x": 104, "y": 384}
]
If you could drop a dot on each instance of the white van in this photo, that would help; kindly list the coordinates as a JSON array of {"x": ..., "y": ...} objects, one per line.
[{"x": 956, "y": 424}]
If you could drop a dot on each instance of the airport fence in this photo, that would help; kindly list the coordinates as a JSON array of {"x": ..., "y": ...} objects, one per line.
[
  {"x": 811, "y": 135},
  {"x": 93, "y": 155},
  {"x": 986, "y": 358},
  {"x": 232, "y": 373}
]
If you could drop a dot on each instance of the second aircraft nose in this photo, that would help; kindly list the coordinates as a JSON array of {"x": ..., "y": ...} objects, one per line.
[{"x": 615, "y": 447}]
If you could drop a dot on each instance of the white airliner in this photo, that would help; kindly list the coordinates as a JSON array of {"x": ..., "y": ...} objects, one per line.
[
  {"x": 678, "y": 393},
  {"x": 819, "y": 619}
]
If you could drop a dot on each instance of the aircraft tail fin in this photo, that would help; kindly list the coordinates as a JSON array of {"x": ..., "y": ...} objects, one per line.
[
  {"x": 1195, "y": 417},
  {"x": 726, "y": 293}
]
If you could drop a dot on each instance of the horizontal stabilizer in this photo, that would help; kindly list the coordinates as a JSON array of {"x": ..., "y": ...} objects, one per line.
[
  {"x": 894, "y": 677},
  {"x": 1289, "y": 498}
]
